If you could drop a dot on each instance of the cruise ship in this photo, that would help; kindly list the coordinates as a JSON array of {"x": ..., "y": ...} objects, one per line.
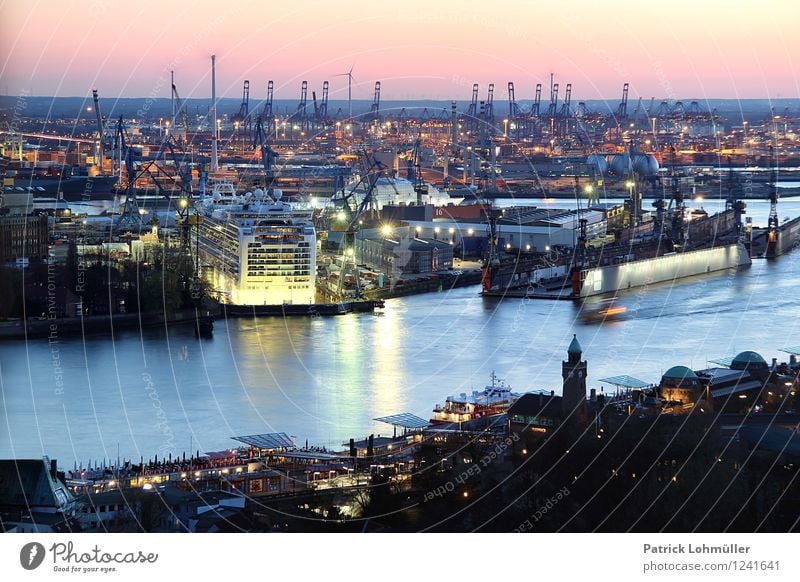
[{"x": 257, "y": 249}]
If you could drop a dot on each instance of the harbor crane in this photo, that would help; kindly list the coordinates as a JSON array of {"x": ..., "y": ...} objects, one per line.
[
  {"x": 268, "y": 155},
  {"x": 566, "y": 112},
  {"x": 537, "y": 101},
  {"x": 472, "y": 111},
  {"x": 323, "y": 106},
  {"x": 180, "y": 112},
  {"x": 301, "y": 112},
  {"x": 415, "y": 171},
  {"x": 489, "y": 111},
  {"x": 622, "y": 109},
  {"x": 375, "y": 108},
  {"x": 351, "y": 210},
  {"x": 242, "y": 117},
  {"x": 99, "y": 152},
  {"x": 130, "y": 218},
  {"x": 266, "y": 111},
  {"x": 513, "y": 108}
]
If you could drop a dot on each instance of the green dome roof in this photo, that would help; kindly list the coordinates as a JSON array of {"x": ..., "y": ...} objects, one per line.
[
  {"x": 574, "y": 346},
  {"x": 680, "y": 373},
  {"x": 748, "y": 358}
]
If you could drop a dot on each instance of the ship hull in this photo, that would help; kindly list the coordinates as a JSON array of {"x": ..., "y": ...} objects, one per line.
[
  {"x": 613, "y": 278},
  {"x": 75, "y": 189}
]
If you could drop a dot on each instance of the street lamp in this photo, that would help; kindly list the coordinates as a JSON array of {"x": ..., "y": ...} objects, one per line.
[{"x": 630, "y": 184}]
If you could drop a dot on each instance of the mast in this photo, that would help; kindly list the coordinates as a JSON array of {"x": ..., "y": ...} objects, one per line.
[{"x": 214, "y": 130}]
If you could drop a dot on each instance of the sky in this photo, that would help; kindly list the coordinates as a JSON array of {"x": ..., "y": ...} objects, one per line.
[{"x": 433, "y": 49}]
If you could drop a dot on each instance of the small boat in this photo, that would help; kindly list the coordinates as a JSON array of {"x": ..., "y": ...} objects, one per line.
[
  {"x": 204, "y": 326},
  {"x": 496, "y": 398},
  {"x": 607, "y": 310}
]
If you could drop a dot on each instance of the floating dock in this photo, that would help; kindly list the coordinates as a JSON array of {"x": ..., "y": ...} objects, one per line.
[{"x": 668, "y": 267}]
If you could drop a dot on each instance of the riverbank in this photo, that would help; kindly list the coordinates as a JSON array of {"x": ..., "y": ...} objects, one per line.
[{"x": 56, "y": 328}]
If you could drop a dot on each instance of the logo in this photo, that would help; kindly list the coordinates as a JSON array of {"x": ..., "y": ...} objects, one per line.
[{"x": 31, "y": 555}]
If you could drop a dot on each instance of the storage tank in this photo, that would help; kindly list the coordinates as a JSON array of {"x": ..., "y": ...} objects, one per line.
[
  {"x": 621, "y": 164},
  {"x": 645, "y": 165},
  {"x": 600, "y": 162}
]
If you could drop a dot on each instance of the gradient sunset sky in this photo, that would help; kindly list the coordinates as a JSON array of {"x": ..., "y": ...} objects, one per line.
[{"x": 417, "y": 48}]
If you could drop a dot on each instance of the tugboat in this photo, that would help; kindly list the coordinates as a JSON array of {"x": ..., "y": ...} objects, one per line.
[{"x": 495, "y": 398}]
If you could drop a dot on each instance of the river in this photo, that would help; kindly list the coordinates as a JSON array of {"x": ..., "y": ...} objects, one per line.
[{"x": 161, "y": 391}]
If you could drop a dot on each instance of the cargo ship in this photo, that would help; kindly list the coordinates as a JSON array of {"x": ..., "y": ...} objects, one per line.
[{"x": 71, "y": 188}]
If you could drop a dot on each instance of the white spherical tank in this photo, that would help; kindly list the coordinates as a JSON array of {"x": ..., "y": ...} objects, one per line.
[
  {"x": 645, "y": 165},
  {"x": 621, "y": 164},
  {"x": 598, "y": 161}
]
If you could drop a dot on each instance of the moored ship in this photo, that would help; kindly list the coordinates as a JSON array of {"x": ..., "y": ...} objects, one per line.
[
  {"x": 496, "y": 398},
  {"x": 257, "y": 249}
]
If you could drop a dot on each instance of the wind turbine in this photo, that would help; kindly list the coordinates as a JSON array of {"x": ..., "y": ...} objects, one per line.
[{"x": 349, "y": 75}]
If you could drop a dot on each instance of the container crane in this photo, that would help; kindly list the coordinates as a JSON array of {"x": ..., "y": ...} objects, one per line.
[
  {"x": 323, "y": 106},
  {"x": 565, "y": 112},
  {"x": 513, "y": 108},
  {"x": 472, "y": 110},
  {"x": 375, "y": 108},
  {"x": 622, "y": 109},
  {"x": 242, "y": 117},
  {"x": 301, "y": 112},
  {"x": 266, "y": 112},
  {"x": 489, "y": 111},
  {"x": 537, "y": 101}
]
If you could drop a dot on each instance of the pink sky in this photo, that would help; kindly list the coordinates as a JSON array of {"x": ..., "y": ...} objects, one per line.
[{"x": 417, "y": 49}]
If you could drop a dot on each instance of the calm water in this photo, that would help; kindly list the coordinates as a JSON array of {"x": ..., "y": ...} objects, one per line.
[{"x": 161, "y": 391}]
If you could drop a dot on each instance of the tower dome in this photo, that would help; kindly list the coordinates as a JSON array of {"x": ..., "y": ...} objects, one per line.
[
  {"x": 679, "y": 376},
  {"x": 749, "y": 361}
]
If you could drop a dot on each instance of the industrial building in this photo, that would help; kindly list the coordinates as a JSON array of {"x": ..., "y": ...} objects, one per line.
[
  {"x": 526, "y": 229},
  {"x": 400, "y": 252}
]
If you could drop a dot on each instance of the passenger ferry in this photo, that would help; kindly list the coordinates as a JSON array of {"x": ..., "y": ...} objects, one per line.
[{"x": 495, "y": 398}]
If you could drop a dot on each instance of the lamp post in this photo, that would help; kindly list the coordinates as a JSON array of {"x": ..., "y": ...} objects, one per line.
[
  {"x": 386, "y": 230},
  {"x": 630, "y": 184}
]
